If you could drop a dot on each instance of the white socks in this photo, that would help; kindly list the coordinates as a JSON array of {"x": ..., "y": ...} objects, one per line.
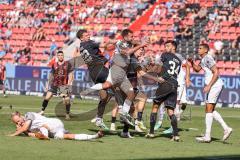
[
  {"x": 126, "y": 106},
  {"x": 84, "y": 137},
  {"x": 97, "y": 86},
  {"x": 208, "y": 121},
  {"x": 177, "y": 111},
  {"x": 220, "y": 120},
  {"x": 161, "y": 112}
]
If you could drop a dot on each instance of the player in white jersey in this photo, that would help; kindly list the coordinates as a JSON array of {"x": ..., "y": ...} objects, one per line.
[
  {"x": 36, "y": 125},
  {"x": 183, "y": 82},
  {"x": 213, "y": 88}
]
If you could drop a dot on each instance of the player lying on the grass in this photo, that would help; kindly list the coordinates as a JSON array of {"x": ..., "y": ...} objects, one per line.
[
  {"x": 167, "y": 90},
  {"x": 36, "y": 125},
  {"x": 213, "y": 88},
  {"x": 60, "y": 81},
  {"x": 2, "y": 77}
]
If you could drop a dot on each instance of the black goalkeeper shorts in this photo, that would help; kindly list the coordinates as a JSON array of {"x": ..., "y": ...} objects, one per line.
[
  {"x": 167, "y": 93},
  {"x": 98, "y": 73}
]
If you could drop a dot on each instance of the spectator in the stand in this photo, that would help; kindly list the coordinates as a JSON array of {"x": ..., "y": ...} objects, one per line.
[
  {"x": 187, "y": 34},
  {"x": 223, "y": 14},
  {"x": 39, "y": 34},
  {"x": 179, "y": 32},
  {"x": 6, "y": 47},
  {"x": 213, "y": 16},
  {"x": 8, "y": 33},
  {"x": 113, "y": 29},
  {"x": 153, "y": 37},
  {"x": 202, "y": 13},
  {"x": 236, "y": 43},
  {"x": 17, "y": 56},
  {"x": 27, "y": 50},
  {"x": 235, "y": 18},
  {"x": 194, "y": 14},
  {"x": 53, "y": 47},
  {"x": 169, "y": 5},
  {"x": 182, "y": 12},
  {"x": 215, "y": 27}
]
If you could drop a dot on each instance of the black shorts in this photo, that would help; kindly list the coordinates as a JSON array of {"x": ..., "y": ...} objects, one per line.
[
  {"x": 1, "y": 82},
  {"x": 53, "y": 89},
  {"x": 98, "y": 73},
  {"x": 60, "y": 90},
  {"x": 167, "y": 93}
]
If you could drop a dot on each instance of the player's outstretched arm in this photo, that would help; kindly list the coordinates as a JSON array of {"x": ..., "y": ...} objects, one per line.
[
  {"x": 134, "y": 49},
  {"x": 157, "y": 79},
  {"x": 196, "y": 68},
  {"x": 105, "y": 44},
  {"x": 22, "y": 129}
]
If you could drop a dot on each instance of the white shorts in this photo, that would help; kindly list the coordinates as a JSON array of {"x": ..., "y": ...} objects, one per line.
[
  {"x": 214, "y": 94},
  {"x": 182, "y": 94},
  {"x": 56, "y": 128}
]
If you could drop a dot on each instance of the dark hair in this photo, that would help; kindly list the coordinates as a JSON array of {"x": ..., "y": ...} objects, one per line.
[
  {"x": 125, "y": 32},
  {"x": 59, "y": 51},
  {"x": 205, "y": 46},
  {"x": 80, "y": 33},
  {"x": 174, "y": 43}
]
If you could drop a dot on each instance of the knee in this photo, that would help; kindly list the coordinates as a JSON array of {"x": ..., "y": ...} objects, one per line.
[
  {"x": 107, "y": 85},
  {"x": 103, "y": 95},
  {"x": 131, "y": 94}
]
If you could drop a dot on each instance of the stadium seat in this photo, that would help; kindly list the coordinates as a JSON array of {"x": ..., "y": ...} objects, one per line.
[{"x": 220, "y": 64}]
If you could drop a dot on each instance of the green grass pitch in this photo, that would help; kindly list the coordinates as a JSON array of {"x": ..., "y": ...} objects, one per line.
[{"x": 112, "y": 146}]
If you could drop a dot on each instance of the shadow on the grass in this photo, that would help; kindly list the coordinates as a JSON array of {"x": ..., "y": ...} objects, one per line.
[{"x": 225, "y": 157}]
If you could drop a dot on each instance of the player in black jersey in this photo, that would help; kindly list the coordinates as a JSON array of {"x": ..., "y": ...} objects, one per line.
[
  {"x": 167, "y": 90},
  {"x": 96, "y": 63}
]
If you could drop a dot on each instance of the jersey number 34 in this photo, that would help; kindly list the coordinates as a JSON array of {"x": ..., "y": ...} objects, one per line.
[{"x": 173, "y": 69}]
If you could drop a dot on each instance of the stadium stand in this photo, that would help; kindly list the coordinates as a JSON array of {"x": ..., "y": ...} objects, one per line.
[{"x": 30, "y": 31}]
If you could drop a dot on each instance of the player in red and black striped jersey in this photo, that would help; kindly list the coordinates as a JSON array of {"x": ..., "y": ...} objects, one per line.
[
  {"x": 2, "y": 77},
  {"x": 59, "y": 83}
]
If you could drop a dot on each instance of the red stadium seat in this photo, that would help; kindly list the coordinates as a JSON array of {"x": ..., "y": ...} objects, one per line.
[
  {"x": 226, "y": 23},
  {"x": 228, "y": 64},
  {"x": 233, "y": 36},
  {"x": 229, "y": 72},
  {"x": 225, "y": 29},
  {"x": 220, "y": 64}
]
